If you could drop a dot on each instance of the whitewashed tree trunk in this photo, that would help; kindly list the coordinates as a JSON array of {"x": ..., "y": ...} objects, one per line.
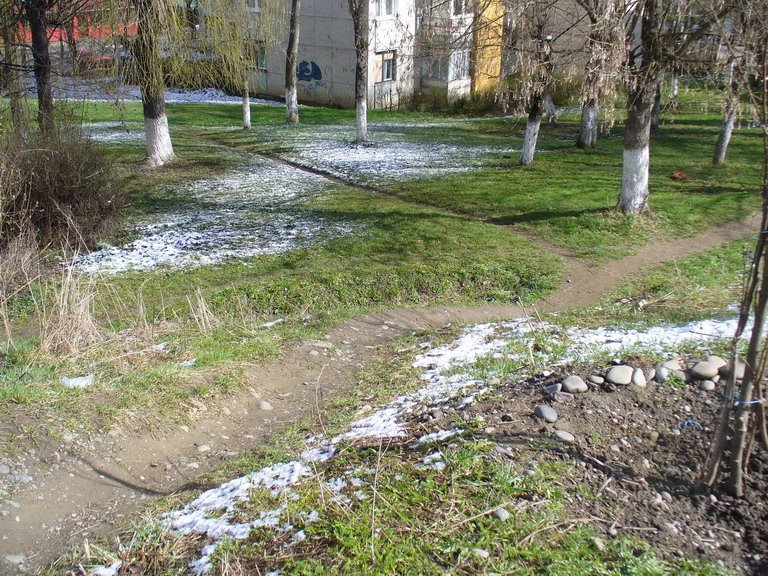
[
  {"x": 359, "y": 11},
  {"x": 587, "y": 137},
  {"x": 531, "y": 132},
  {"x": 656, "y": 110},
  {"x": 633, "y": 197},
  {"x": 159, "y": 146},
  {"x": 731, "y": 112},
  {"x": 147, "y": 54},
  {"x": 674, "y": 88},
  {"x": 246, "y": 106},
  {"x": 291, "y": 61}
]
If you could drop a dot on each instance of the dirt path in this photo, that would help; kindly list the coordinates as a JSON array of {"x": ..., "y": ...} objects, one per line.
[{"x": 94, "y": 491}]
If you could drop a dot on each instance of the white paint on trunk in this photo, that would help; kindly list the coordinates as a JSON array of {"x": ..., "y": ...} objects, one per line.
[
  {"x": 291, "y": 105},
  {"x": 361, "y": 110},
  {"x": 529, "y": 144},
  {"x": 246, "y": 109},
  {"x": 159, "y": 146},
  {"x": 675, "y": 87},
  {"x": 634, "y": 180},
  {"x": 588, "y": 133},
  {"x": 721, "y": 147}
]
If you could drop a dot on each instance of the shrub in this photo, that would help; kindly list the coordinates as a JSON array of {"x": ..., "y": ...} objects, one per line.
[{"x": 58, "y": 186}]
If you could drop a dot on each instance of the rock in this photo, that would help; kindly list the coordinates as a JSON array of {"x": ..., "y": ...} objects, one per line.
[
  {"x": 17, "y": 559},
  {"x": 264, "y": 405},
  {"x": 638, "y": 378},
  {"x": 553, "y": 389},
  {"x": 615, "y": 448},
  {"x": 565, "y": 436},
  {"x": 507, "y": 417},
  {"x": 653, "y": 437},
  {"x": 574, "y": 385},
  {"x": 203, "y": 448},
  {"x": 20, "y": 478},
  {"x": 480, "y": 553},
  {"x": 501, "y": 514},
  {"x": 621, "y": 374},
  {"x": 5, "y": 470},
  {"x": 562, "y": 397},
  {"x": 596, "y": 379},
  {"x": 672, "y": 365},
  {"x": 740, "y": 369},
  {"x": 662, "y": 374},
  {"x": 649, "y": 374},
  {"x": 706, "y": 385},
  {"x": 704, "y": 370},
  {"x": 681, "y": 375},
  {"x": 546, "y": 413},
  {"x": 717, "y": 361}
]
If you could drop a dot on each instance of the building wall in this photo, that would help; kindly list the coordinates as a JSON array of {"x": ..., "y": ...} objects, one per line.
[
  {"x": 326, "y": 70},
  {"x": 488, "y": 40}
]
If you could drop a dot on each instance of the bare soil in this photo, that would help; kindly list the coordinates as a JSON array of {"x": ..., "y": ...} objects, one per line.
[{"x": 88, "y": 489}]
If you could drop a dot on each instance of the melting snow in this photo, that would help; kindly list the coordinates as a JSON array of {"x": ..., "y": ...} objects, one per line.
[
  {"x": 213, "y": 513},
  {"x": 252, "y": 211},
  {"x": 78, "y": 381}
]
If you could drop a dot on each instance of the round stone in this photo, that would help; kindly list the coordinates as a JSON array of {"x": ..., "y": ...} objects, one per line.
[
  {"x": 501, "y": 514},
  {"x": 704, "y": 370},
  {"x": 596, "y": 379},
  {"x": 672, "y": 365},
  {"x": 638, "y": 378},
  {"x": 565, "y": 436},
  {"x": 717, "y": 361},
  {"x": 574, "y": 385},
  {"x": 553, "y": 389},
  {"x": 621, "y": 374},
  {"x": 662, "y": 374},
  {"x": 707, "y": 385},
  {"x": 546, "y": 413}
]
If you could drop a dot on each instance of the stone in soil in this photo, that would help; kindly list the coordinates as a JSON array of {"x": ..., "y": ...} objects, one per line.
[
  {"x": 565, "y": 436},
  {"x": 672, "y": 365},
  {"x": 553, "y": 389},
  {"x": 546, "y": 413},
  {"x": 638, "y": 378},
  {"x": 621, "y": 374},
  {"x": 662, "y": 374},
  {"x": 704, "y": 370},
  {"x": 501, "y": 514},
  {"x": 707, "y": 385},
  {"x": 596, "y": 379},
  {"x": 574, "y": 385},
  {"x": 717, "y": 361},
  {"x": 562, "y": 397}
]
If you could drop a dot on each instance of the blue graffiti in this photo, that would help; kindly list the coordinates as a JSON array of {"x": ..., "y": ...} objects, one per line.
[{"x": 308, "y": 71}]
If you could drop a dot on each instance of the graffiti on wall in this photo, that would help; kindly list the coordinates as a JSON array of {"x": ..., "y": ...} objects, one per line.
[{"x": 308, "y": 71}]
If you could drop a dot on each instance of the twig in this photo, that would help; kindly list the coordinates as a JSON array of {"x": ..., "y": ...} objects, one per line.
[{"x": 554, "y": 526}]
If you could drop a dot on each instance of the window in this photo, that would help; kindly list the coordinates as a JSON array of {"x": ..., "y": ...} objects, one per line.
[
  {"x": 388, "y": 66},
  {"x": 261, "y": 59},
  {"x": 437, "y": 69},
  {"x": 459, "y": 64},
  {"x": 385, "y": 7}
]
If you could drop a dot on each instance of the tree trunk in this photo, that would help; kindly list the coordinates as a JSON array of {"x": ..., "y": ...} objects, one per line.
[
  {"x": 246, "y": 106},
  {"x": 730, "y": 113},
  {"x": 535, "y": 113},
  {"x": 633, "y": 197},
  {"x": 12, "y": 84},
  {"x": 72, "y": 44},
  {"x": 41, "y": 57},
  {"x": 656, "y": 111},
  {"x": 291, "y": 62},
  {"x": 587, "y": 137},
  {"x": 549, "y": 108},
  {"x": 149, "y": 67},
  {"x": 359, "y": 10},
  {"x": 674, "y": 89}
]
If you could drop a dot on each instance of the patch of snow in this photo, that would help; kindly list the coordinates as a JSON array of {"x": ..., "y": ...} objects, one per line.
[
  {"x": 253, "y": 210},
  {"x": 111, "y": 570},
  {"x": 438, "y": 436},
  {"x": 78, "y": 381},
  {"x": 433, "y": 461},
  {"x": 188, "y": 363},
  {"x": 271, "y": 323}
]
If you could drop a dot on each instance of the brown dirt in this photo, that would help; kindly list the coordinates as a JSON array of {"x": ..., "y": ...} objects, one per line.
[
  {"x": 91, "y": 489},
  {"x": 642, "y": 452}
]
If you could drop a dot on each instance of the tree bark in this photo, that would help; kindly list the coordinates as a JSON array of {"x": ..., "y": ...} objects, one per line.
[
  {"x": 587, "y": 137},
  {"x": 535, "y": 112},
  {"x": 730, "y": 113},
  {"x": 359, "y": 11},
  {"x": 149, "y": 67},
  {"x": 656, "y": 110},
  {"x": 69, "y": 27},
  {"x": 246, "y": 106},
  {"x": 633, "y": 197},
  {"x": 291, "y": 62},
  {"x": 12, "y": 84},
  {"x": 41, "y": 58}
]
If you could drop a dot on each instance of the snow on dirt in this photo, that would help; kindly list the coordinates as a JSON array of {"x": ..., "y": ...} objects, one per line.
[
  {"x": 447, "y": 372},
  {"x": 255, "y": 209}
]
